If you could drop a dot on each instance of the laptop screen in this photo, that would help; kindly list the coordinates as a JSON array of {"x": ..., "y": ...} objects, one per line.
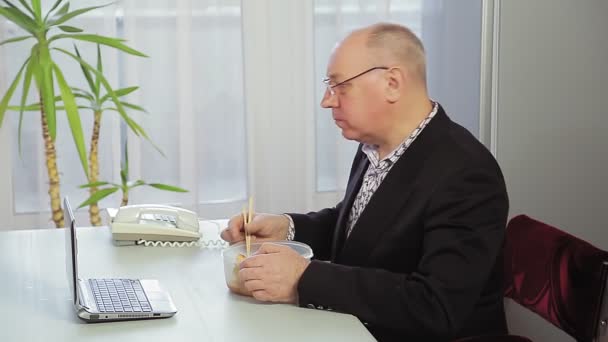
[{"x": 71, "y": 249}]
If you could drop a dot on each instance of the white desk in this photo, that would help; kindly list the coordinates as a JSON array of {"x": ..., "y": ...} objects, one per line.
[{"x": 35, "y": 300}]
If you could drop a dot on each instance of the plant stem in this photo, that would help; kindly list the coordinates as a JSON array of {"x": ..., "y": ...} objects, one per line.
[
  {"x": 51, "y": 167},
  {"x": 125, "y": 198},
  {"x": 94, "y": 168}
]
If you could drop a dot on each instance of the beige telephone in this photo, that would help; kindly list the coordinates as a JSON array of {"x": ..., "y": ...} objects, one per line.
[{"x": 154, "y": 222}]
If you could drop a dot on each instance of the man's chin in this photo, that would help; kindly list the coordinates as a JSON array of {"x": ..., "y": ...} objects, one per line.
[{"x": 348, "y": 135}]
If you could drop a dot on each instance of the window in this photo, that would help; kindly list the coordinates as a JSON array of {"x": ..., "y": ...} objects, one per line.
[
  {"x": 194, "y": 91},
  {"x": 232, "y": 89},
  {"x": 191, "y": 86},
  {"x": 451, "y": 33}
]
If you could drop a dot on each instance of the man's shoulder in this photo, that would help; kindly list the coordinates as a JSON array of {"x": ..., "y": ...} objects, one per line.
[
  {"x": 461, "y": 141},
  {"x": 456, "y": 148}
]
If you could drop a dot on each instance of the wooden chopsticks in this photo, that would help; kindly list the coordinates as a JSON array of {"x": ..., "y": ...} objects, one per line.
[{"x": 247, "y": 217}]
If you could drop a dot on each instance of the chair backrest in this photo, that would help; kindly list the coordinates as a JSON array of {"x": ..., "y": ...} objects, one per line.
[{"x": 558, "y": 276}]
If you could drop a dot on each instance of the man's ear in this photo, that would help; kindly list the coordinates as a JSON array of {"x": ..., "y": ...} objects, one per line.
[{"x": 395, "y": 83}]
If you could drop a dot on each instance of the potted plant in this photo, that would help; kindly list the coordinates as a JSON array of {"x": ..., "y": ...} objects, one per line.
[
  {"x": 98, "y": 103},
  {"x": 125, "y": 186},
  {"x": 41, "y": 68}
]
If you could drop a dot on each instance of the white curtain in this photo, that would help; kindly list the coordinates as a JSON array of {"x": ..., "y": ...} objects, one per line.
[
  {"x": 232, "y": 89},
  {"x": 191, "y": 86},
  {"x": 194, "y": 92}
]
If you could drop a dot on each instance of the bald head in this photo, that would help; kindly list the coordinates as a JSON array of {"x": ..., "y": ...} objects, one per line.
[
  {"x": 377, "y": 85},
  {"x": 393, "y": 44}
]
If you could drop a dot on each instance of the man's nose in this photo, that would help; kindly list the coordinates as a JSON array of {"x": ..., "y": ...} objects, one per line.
[{"x": 329, "y": 100}]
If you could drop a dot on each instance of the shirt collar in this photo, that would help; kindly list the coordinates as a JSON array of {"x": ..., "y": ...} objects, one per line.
[{"x": 372, "y": 150}]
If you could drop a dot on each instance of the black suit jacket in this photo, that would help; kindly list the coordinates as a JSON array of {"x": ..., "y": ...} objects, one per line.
[{"x": 424, "y": 260}]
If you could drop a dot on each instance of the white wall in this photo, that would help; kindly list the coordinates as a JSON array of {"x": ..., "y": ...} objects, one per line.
[{"x": 552, "y": 121}]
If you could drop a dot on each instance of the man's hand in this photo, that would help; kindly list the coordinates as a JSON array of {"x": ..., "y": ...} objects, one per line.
[
  {"x": 263, "y": 227},
  {"x": 272, "y": 273}
]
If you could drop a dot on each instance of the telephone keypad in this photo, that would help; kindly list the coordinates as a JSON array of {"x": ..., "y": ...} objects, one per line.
[{"x": 165, "y": 218}]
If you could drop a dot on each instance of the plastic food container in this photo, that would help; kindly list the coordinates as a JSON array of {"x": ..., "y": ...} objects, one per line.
[{"x": 234, "y": 254}]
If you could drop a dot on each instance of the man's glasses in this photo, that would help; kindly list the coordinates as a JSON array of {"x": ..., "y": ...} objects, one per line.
[{"x": 331, "y": 87}]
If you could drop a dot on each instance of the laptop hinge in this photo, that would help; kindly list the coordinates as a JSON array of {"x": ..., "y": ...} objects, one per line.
[{"x": 81, "y": 297}]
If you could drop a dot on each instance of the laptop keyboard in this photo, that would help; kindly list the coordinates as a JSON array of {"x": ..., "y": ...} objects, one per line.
[{"x": 119, "y": 295}]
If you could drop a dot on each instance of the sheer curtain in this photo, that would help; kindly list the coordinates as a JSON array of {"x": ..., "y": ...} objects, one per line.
[
  {"x": 194, "y": 92},
  {"x": 192, "y": 89},
  {"x": 451, "y": 33},
  {"x": 232, "y": 90}
]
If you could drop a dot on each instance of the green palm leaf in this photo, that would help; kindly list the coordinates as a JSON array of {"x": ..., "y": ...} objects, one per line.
[
  {"x": 98, "y": 196},
  {"x": 16, "y": 39},
  {"x": 35, "y": 107},
  {"x": 70, "y": 29},
  {"x": 90, "y": 185},
  {"x": 99, "y": 68},
  {"x": 19, "y": 18},
  {"x": 11, "y": 5},
  {"x": 134, "y": 107},
  {"x": 124, "y": 176},
  {"x": 119, "y": 93},
  {"x": 44, "y": 78},
  {"x": 87, "y": 74},
  {"x": 37, "y": 9},
  {"x": 84, "y": 91},
  {"x": 10, "y": 91},
  {"x": 124, "y": 171},
  {"x": 53, "y": 8},
  {"x": 73, "y": 14},
  {"x": 26, "y": 89},
  {"x": 73, "y": 118},
  {"x": 135, "y": 184},
  {"x": 55, "y": 5},
  {"x": 85, "y": 96},
  {"x": 27, "y": 7},
  {"x": 18, "y": 9},
  {"x": 94, "y": 38},
  {"x": 63, "y": 10},
  {"x": 132, "y": 124},
  {"x": 167, "y": 187}
]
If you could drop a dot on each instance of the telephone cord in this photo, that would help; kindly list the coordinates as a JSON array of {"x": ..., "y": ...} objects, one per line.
[
  {"x": 191, "y": 244},
  {"x": 218, "y": 243}
]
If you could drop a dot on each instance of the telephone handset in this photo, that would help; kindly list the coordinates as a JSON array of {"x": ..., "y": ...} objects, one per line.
[{"x": 154, "y": 222}]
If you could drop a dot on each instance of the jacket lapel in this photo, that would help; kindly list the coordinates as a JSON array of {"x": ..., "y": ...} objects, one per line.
[
  {"x": 390, "y": 197},
  {"x": 349, "y": 197}
]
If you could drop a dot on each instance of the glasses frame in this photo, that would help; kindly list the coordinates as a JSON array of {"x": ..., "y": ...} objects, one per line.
[{"x": 330, "y": 87}]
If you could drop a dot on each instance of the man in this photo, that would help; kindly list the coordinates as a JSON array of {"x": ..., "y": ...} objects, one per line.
[{"x": 415, "y": 246}]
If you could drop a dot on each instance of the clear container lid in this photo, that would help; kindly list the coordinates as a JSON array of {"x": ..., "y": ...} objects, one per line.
[{"x": 302, "y": 248}]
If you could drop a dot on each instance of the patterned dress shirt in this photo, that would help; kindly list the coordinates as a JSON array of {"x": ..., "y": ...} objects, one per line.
[{"x": 378, "y": 169}]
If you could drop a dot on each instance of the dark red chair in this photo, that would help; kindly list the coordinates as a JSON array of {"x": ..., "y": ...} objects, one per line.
[{"x": 556, "y": 275}]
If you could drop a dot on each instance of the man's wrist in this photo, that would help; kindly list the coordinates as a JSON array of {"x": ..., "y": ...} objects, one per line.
[{"x": 291, "y": 229}]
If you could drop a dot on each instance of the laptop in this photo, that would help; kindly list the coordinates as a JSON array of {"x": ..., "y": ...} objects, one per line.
[{"x": 103, "y": 300}]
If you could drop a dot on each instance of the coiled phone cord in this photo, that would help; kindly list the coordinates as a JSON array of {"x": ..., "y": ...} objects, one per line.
[
  {"x": 217, "y": 243},
  {"x": 199, "y": 244}
]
